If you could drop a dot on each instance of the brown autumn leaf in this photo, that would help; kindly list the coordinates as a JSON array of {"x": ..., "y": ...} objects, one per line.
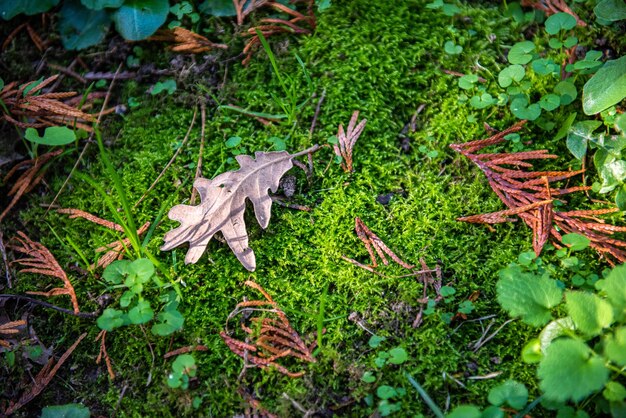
[{"x": 223, "y": 202}]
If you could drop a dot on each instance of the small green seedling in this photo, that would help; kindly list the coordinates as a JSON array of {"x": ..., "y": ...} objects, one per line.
[{"x": 183, "y": 368}]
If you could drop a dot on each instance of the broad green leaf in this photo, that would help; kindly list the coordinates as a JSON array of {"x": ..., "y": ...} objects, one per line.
[
  {"x": 614, "y": 391},
  {"x": 579, "y": 136},
  {"x": 492, "y": 412},
  {"x": 567, "y": 91},
  {"x": 558, "y": 22},
  {"x": 101, "y": 4},
  {"x": 115, "y": 272},
  {"x": 168, "y": 86},
  {"x": 550, "y": 102},
  {"x": 170, "y": 321},
  {"x": 397, "y": 355},
  {"x": 53, "y": 136},
  {"x": 386, "y": 392},
  {"x": 570, "y": 41},
  {"x": 606, "y": 88},
  {"x": 467, "y": 81},
  {"x": 233, "y": 142},
  {"x": 610, "y": 10},
  {"x": 71, "y": 410},
  {"x": 110, "y": 319},
  {"x": 143, "y": 268},
  {"x": 554, "y": 43},
  {"x": 126, "y": 299},
  {"x": 368, "y": 377},
  {"x": 451, "y": 48},
  {"x": 465, "y": 411},
  {"x": 527, "y": 296},
  {"x": 589, "y": 313},
  {"x": 520, "y": 53},
  {"x": 511, "y": 392},
  {"x": 138, "y": 19},
  {"x": 618, "y": 169},
  {"x": 446, "y": 291},
  {"x": 141, "y": 313},
  {"x": 482, "y": 101},
  {"x": 576, "y": 242},
  {"x": 185, "y": 364},
  {"x": 219, "y": 8},
  {"x": 510, "y": 74},
  {"x": 522, "y": 110},
  {"x": 80, "y": 27},
  {"x": 569, "y": 370},
  {"x": 615, "y": 347},
  {"x": 544, "y": 66},
  {"x": 11, "y": 8}
]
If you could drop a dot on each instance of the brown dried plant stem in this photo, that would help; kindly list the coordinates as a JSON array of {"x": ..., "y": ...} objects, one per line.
[
  {"x": 26, "y": 299},
  {"x": 185, "y": 41},
  {"x": 529, "y": 196},
  {"x": 346, "y": 140},
  {"x": 10, "y": 328},
  {"x": 103, "y": 353},
  {"x": 550, "y": 7}
]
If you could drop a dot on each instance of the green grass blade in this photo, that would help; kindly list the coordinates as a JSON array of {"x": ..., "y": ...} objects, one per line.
[{"x": 431, "y": 404}]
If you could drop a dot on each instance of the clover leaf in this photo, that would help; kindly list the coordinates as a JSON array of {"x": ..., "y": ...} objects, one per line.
[
  {"x": 520, "y": 53},
  {"x": 558, "y": 22}
]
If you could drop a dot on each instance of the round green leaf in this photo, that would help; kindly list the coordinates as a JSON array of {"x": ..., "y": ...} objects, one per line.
[
  {"x": 576, "y": 242},
  {"x": 550, "y": 102},
  {"x": 143, "y": 268},
  {"x": 115, "y": 272},
  {"x": 606, "y": 88},
  {"x": 567, "y": 91},
  {"x": 368, "y": 377},
  {"x": 110, "y": 319},
  {"x": 558, "y": 22},
  {"x": 386, "y": 392},
  {"x": 570, "y": 370},
  {"x": 141, "y": 313},
  {"x": 482, "y": 101},
  {"x": 452, "y": 49},
  {"x": 610, "y": 10},
  {"x": 510, "y": 74},
  {"x": 397, "y": 355},
  {"x": 53, "y": 136},
  {"x": 614, "y": 391},
  {"x": 467, "y": 81},
  {"x": 511, "y": 392},
  {"x": 233, "y": 142},
  {"x": 184, "y": 364},
  {"x": 531, "y": 353},
  {"x": 522, "y": 110},
  {"x": 465, "y": 411},
  {"x": 544, "y": 66},
  {"x": 80, "y": 27},
  {"x": 520, "y": 53},
  {"x": 555, "y": 43},
  {"x": 138, "y": 19}
]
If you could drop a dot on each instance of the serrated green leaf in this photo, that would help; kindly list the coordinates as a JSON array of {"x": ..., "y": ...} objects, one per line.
[
  {"x": 570, "y": 371},
  {"x": 520, "y": 53},
  {"x": 558, "y": 22},
  {"x": 615, "y": 347},
  {"x": 527, "y": 296},
  {"x": 511, "y": 392},
  {"x": 554, "y": 330},
  {"x": 606, "y": 88},
  {"x": 589, "y": 313}
]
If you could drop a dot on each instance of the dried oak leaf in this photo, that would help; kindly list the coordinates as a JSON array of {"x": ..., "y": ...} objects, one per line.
[{"x": 223, "y": 202}]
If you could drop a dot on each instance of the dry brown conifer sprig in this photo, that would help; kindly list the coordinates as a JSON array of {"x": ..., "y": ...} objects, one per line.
[
  {"x": 43, "y": 378},
  {"x": 29, "y": 179},
  {"x": 550, "y": 7},
  {"x": 346, "y": 140},
  {"x": 372, "y": 241},
  {"x": 40, "y": 260},
  {"x": 114, "y": 250},
  {"x": 269, "y": 339},
  {"x": 273, "y": 26},
  {"x": 529, "y": 195},
  {"x": 185, "y": 41},
  {"x": 41, "y": 109},
  {"x": 103, "y": 353},
  {"x": 10, "y": 328}
]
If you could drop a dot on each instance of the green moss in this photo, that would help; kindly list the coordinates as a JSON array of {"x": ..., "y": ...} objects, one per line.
[{"x": 384, "y": 62}]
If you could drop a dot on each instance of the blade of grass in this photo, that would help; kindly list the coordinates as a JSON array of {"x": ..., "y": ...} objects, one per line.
[
  {"x": 263, "y": 115},
  {"x": 431, "y": 404}
]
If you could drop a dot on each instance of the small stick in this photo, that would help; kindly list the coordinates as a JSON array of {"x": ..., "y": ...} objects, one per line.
[
  {"x": 193, "y": 120},
  {"x": 184, "y": 350},
  {"x": 479, "y": 344},
  {"x": 485, "y": 377},
  {"x": 68, "y": 71},
  {"x": 5, "y": 261},
  {"x": 192, "y": 200},
  {"x": 295, "y": 206},
  {"x": 89, "y": 315},
  {"x": 317, "y": 112}
]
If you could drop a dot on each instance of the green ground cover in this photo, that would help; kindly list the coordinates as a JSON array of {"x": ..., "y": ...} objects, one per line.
[{"x": 385, "y": 62}]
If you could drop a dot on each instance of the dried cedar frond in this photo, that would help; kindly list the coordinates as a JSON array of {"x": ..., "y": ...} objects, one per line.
[
  {"x": 371, "y": 240},
  {"x": 185, "y": 40},
  {"x": 269, "y": 338},
  {"x": 34, "y": 37},
  {"x": 114, "y": 250},
  {"x": 43, "y": 378},
  {"x": 103, "y": 353},
  {"x": 528, "y": 195},
  {"x": 550, "y": 7},
  {"x": 10, "y": 328},
  {"x": 41, "y": 109},
  {"x": 346, "y": 140},
  {"x": 40, "y": 260},
  {"x": 273, "y": 26},
  {"x": 29, "y": 179}
]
